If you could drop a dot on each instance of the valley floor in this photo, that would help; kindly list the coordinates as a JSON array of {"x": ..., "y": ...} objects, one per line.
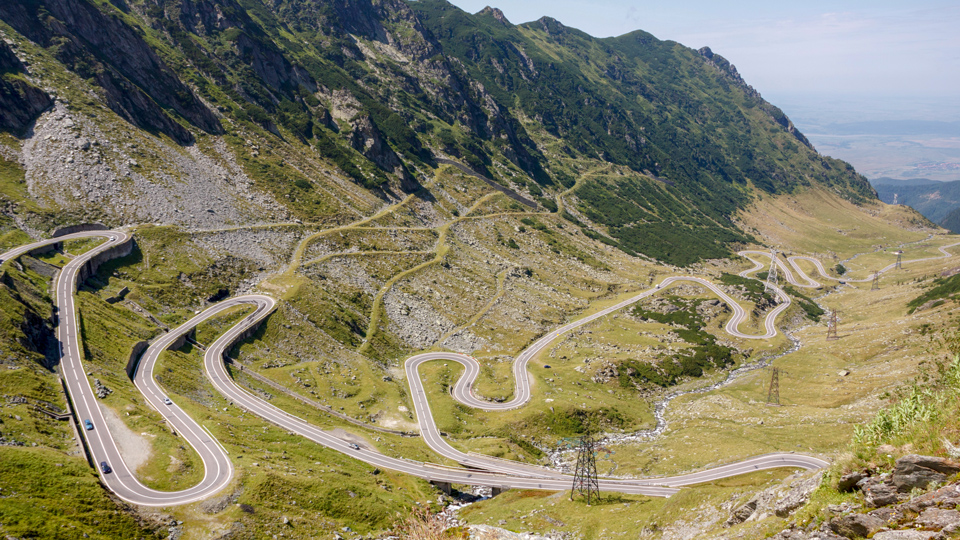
[{"x": 826, "y": 387}]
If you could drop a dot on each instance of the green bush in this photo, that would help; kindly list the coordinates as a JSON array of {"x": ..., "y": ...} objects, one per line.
[
  {"x": 570, "y": 422},
  {"x": 692, "y": 362},
  {"x": 813, "y": 311},
  {"x": 942, "y": 289},
  {"x": 526, "y": 446},
  {"x": 548, "y": 203},
  {"x": 755, "y": 290}
]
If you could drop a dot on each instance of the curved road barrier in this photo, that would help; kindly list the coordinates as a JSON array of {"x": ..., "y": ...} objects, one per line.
[
  {"x": 462, "y": 390},
  {"x": 101, "y": 445},
  {"x": 218, "y": 470}
]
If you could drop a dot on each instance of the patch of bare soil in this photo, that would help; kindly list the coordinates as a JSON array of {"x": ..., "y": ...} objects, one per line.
[{"x": 135, "y": 449}]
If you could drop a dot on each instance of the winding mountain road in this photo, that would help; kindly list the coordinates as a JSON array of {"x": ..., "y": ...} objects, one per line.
[
  {"x": 462, "y": 390},
  {"x": 101, "y": 445},
  {"x": 812, "y": 283},
  {"x": 218, "y": 470}
]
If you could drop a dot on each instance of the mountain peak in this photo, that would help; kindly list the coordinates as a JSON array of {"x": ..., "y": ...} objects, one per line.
[
  {"x": 496, "y": 14},
  {"x": 551, "y": 25}
]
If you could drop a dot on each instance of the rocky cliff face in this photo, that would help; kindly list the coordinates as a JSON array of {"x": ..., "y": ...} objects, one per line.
[
  {"x": 20, "y": 101},
  {"x": 136, "y": 84}
]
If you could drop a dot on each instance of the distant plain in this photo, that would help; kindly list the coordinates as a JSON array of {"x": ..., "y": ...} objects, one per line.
[{"x": 883, "y": 137}]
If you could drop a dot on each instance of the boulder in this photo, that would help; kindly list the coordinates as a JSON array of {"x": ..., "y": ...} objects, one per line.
[
  {"x": 795, "y": 533},
  {"x": 742, "y": 513},
  {"x": 904, "y": 535},
  {"x": 938, "y": 519},
  {"x": 945, "y": 497},
  {"x": 915, "y": 471},
  {"x": 889, "y": 514},
  {"x": 877, "y": 492},
  {"x": 797, "y": 496},
  {"x": 848, "y": 482},
  {"x": 939, "y": 464},
  {"x": 856, "y": 525}
]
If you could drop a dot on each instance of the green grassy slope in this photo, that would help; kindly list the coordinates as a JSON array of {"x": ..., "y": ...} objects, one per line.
[
  {"x": 48, "y": 490},
  {"x": 379, "y": 91}
]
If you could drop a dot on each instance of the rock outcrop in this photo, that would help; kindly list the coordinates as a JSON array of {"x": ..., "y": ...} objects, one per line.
[
  {"x": 100, "y": 389},
  {"x": 878, "y": 492},
  {"x": 780, "y": 501},
  {"x": 849, "y": 481},
  {"x": 911, "y": 472},
  {"x": 894, "y": 514},
  {"x": 854, "y": 525},
  {"x": 367, "y": 139},
  {"x": 915, "y": 471},
  {"x": 136, "y": 83},
  {"x": 20, "y": 102}
]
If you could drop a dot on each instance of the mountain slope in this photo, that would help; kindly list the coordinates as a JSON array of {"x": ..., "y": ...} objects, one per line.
[
  {"x": 935, "y": 200},
  {"x": 308, "y": 92},
  {"x": 952, "y": 220}
]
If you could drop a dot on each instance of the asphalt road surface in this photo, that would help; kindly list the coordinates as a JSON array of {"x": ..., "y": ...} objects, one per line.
[
  {"x": 462, "y": 390},
  {"x": 810, "y": 283},
  {"x": 102, "y": 448},
  {"x": 218, "y": 470}
]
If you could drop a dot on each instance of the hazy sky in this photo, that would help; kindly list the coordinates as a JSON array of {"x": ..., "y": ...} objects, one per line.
[{"x": 874, "y": 49}]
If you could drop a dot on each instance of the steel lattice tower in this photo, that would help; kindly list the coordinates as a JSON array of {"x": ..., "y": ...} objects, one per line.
[
  {"x": 899, "y": 260},
  {"x": 773, "y": 395},
  {"x": 876, "y": 281},
  {"x": 585, "y": 478},
  {"x": 772, "y": 273},
  {"x": 832, "y": 326}
]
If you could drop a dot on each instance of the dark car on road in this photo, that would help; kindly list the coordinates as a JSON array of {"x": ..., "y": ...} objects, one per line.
[
  {"x": 88, "y": 424},
  {"x": 105, "y": 468}
]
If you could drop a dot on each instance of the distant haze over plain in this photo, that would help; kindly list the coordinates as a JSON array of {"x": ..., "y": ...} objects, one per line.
[
  {"x": 882, "y": 137},
  {"x": 840, "y": 70}
]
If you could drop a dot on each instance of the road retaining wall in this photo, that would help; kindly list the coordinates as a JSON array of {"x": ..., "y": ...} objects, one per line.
[
  {"x": 83, "y": 227},
  {"x": 74, "y": 423},
  {"x": 502, "y": 189},
  {"x": 182, "y": 339},
  {"x": 120, "y": 250},
  {"x": 135, "y": 355},
  {"x": 248, "y": 332},
  {"x": 45, "y": 249}
]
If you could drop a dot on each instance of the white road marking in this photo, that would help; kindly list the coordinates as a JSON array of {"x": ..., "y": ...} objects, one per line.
[{"x": 218, "y": 470}]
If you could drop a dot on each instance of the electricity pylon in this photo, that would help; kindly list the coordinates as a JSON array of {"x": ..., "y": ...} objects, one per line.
[
  {"x": 585, "y": 480},
  {"x": 771, "y": 282},
  {"x": 773, "y": 395},
  {"x": 832, "y": 326}
]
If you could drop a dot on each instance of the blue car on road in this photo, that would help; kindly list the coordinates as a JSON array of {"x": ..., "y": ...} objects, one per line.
[
  {"x": 105, "y": 468},
  {"x": 88, "y": 424}
]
